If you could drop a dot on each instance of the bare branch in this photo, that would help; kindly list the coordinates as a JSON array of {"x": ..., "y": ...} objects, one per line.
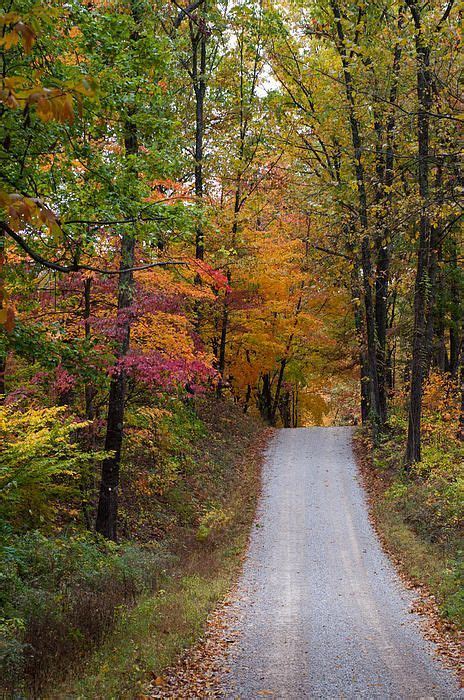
[
  {"x": 332, "y": 252},
  {"x": 76, "y": 266},
  {"x": 445, "y": 15},
  {"x": 186, "y": 12}
]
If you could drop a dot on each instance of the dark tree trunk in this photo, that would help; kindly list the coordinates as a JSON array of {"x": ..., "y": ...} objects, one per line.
[
  {"x": 382, "y": 267},
  {"x": 222, "y": 348},
  {"x": 381, "y": 306},
  {"x": 265, "y": 399},
  {"x": 284, "y": 360},
  {"x": 359, "y": 327},
  {"x": 431, "y": 338},
  {"x": 89, "y": 389},
  {"x": 391, "y": 368},
  {"x": 107, "y": 512},
  {"x": 247, "y": 399},
  {"x": 2, "y": 376},
  {"x": 244, "y": 116},
  {"x": 284, "y": 410},
  {"x": 375, "y": 412},
  {"x": 106, "y": 523},
  {"x": 275, "y": 403},
  {"x": 366, "y": 262},
  {"x": 293, "y": 405},
  {"x": 385, "y": 173},
  {"x": 391, "y": 356},
  {"x": 295, "y": 395},
  {"x": 198, "y": 37},
  {"x": 223, "y": 342},
  {"x": 461, "y": 417},
  {"x": 419, "y": 345},
  {"x": 454, "y": 344},
  {"x": 2, "y": 307},
  {"x": 456, "y": 313},
  {"x": 364, "y": 391},
  {"x": 440, "y": 355},
  {"x": 433, "y": 292}
]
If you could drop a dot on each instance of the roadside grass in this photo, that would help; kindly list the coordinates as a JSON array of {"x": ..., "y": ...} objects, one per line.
[
  {"x": 83, "y": 618},
  {"x": 414, "y": 519},
  {"x": 148, "y": 637},
  {"x": 437, "y": 566}
]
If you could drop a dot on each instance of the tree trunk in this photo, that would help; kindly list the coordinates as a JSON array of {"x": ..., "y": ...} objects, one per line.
[
  {"x": 2, "y": 308},
  {"x": 107, "y": 512},
  {"x": 359, "y": 328},
  {"x": 106, "y": 522},
  {"x": 366, "y": 262},
  {"x": 275, "y": 403},
  {"x": 247, "y": 399},
  {"x": 222, "y": 348},
  {"x": 198, "y": 73},
  {"x": 265, "y": 399},
  {"x": 381, "y": 306},
  {"x": 89, "y": 389},
  {"x": 223, "y": 342},
  {"x": 454, "y": 343},
  {"x": 434, "y": 283},
  {"x": 2, "y": 377},
  {"x": 456, "y": 313},
  {"x": 364, "y": 387},
  {"x": 375, "y": 412},
  {"x": 419, "y": 350},
  {"x": 461, "y": 417},
  {"x": 284, "y": 410},
  {"x": 385, "y": 175},
  {"x": 295, "y": 397},
  {"x": 440, "y": 355}
]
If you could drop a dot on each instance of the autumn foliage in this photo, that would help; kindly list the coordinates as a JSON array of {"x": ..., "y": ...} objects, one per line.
[{"x": 255, "y": 204}]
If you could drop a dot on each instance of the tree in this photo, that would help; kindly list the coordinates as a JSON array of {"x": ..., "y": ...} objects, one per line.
[{"x": 428, "y": 234}]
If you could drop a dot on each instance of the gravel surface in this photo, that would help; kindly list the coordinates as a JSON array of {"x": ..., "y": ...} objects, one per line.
[{"x": 321, "y": 612}]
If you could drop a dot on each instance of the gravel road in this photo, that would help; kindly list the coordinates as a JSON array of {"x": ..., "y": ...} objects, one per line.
[{"x": 321, "y": 613}]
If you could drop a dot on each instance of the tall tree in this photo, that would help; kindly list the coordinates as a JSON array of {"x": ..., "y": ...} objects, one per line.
[{"x": 427, "y": 252}]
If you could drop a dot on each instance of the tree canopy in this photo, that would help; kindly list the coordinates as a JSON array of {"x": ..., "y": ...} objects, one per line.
[{"x": 256, "y": 200}]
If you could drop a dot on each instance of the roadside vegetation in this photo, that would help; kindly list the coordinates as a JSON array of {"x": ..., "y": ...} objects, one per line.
[
  {"x": 211, "y": 214},
  {"x": 420, "y": 514},
  {"x": 67, "y": 592}
]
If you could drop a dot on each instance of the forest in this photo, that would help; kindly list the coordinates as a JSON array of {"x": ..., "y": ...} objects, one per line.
[{"x": 217, "y": 219}]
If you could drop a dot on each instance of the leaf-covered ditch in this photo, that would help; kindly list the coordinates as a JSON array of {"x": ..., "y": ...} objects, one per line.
[{"x": 188, "y": 489}]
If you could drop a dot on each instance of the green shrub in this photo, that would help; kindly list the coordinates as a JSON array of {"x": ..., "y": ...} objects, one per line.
[
  {"x": 40, "y": 462},
  {"x": 452, "y": 591},
  {"x": 213, "y": 522},
  {"x": 68, "y": 590},
  {"x": 421, "y": 513}
]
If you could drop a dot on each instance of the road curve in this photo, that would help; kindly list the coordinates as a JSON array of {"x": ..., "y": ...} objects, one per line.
[{"x": 321, "y": 613}]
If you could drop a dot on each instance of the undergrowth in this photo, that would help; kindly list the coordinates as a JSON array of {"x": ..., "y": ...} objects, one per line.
[
  {"x": 71, "y": 600},
  {"x": 420, "y": 514}
]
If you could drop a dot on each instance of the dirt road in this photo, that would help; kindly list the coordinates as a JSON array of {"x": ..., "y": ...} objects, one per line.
[{"x": 322, "y": 614}]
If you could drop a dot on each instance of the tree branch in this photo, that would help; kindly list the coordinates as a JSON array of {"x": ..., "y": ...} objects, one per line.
[
  {"x": 186, "y": 12},
  {"x": 445, "y": 15},
  {"x": 76, "y": 266},
  {"x": 331, "y": 252}
]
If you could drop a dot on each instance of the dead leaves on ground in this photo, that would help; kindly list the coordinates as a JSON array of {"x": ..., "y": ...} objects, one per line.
[{"x": 199, "y": 671}]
